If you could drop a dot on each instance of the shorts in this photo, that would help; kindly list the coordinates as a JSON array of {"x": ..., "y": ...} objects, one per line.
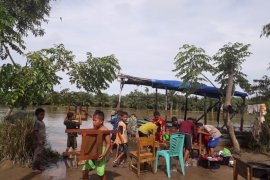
[
  {"x": 95, "y": 164},
  {"x": 113, "y": 137},
  {"x": 123, "y": 148},
  {"x": 188, "y": 141},
  {"x": 142, "y": 134},
  {"x": 72, "y": 142},
  {"x": 213, "y": 142}
]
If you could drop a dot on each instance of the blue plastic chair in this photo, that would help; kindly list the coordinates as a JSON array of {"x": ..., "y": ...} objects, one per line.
[{"x": 176, "y": 149}]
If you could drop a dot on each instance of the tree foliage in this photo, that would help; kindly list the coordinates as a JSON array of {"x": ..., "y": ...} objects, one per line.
[
  {"x": 95, "y": 73},
  {"x": 266, "y": 30},
  {"x": 190, "y": 62},
  {"x": 24, "y": 85},
  {"x": 18, "y": 18},
  {"x": 228, "y": 60}
]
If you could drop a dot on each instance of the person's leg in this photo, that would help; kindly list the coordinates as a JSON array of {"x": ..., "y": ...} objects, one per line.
[
  {"x": 186, "y": 156},
  {"x": 89, "y": 165},
  {"x": 212, "y": 152},
  {"x": 101, "y": 167}
]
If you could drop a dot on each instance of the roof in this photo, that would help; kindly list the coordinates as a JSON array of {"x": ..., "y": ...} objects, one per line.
[{"x": 201, "y": 90}]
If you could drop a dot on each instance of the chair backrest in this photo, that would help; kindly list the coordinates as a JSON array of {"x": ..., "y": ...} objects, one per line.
[
  {"x": 176, "y": 144},
  {"x": 146, "y": 142}
]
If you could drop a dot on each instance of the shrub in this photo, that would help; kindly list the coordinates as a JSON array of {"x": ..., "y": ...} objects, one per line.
[{"x": 16, "y": 141}]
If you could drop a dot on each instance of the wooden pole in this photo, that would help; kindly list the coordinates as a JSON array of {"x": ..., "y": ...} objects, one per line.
[
  {"x": 156, "y": 100},
  {"x": 218, "y": 112},
  {"x": 186, "y": 105},
  {"x": 205, "y": 110},
  {"x": 166, "y": 104},
  {"x": 242, "y": 114}
]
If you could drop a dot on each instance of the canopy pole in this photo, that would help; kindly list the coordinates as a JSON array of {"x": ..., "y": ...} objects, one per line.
[
  {"x": 242, "y": 114},
  {"x": 120, "y": 96},
  {"x": 218, "y": 112},
  {"x": 205, "y": 110},
  {"x": 166, "y": 104},
  {"x": 186, "y": 105},
  {"x": 156, "y": 100}
]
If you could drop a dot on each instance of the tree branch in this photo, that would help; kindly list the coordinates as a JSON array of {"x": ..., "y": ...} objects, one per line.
[
  {"x": 12, "y": 60},
  {"x": 212, "y": 84}
]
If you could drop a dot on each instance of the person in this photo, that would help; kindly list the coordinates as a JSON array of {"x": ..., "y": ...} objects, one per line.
[
  {"x": 72, "y": 137},
  {"x": 115, "y": 122},
  {"x": 132, "y": 125},
  {"x": 188, "y": 127},
  {"x": 100, "y": 163},
  {"x": 214, "y": 134},
  {"x": 39, "y": 140},
  {"x": 160, "y": 120},
  {"x": 121, "y": 139},
  {"x": 149, "y": 129}
]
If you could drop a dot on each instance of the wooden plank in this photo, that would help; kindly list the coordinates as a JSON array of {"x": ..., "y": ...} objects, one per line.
[{"x": 90, "y": 131}]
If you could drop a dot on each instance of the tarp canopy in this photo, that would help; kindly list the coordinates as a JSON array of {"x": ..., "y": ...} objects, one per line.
[{"x": 202, "y": 90}]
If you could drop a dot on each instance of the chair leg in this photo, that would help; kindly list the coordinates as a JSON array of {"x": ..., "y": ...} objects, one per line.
[
  {"x": 138, "y": 168},
  {"x": 168, "y": 165},
  {"x": 181, "y": 162},
  {"x": 156, "y": 163}
]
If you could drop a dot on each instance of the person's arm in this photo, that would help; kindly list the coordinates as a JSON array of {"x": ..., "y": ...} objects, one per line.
[{"x": 108, "y": 146}]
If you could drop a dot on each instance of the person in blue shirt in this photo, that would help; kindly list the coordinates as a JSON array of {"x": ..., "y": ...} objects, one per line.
[{"x": 115, "y": 122}]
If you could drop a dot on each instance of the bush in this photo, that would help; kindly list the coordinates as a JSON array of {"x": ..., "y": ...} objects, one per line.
[{"x": 16, "y": 141}]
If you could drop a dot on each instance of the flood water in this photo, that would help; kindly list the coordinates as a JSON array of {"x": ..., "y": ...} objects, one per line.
[{"x": 56, "y": 130}]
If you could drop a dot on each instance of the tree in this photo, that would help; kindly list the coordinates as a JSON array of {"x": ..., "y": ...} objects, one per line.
[
  {"x": 25, "y": 85},
  {"x": 191, "y": 62},
  {"x": 228, "y": 61},
  {"x": 19, "y": 18},
  {"x": 95, "y": 73},
  {"x": 266, "y": 30}
]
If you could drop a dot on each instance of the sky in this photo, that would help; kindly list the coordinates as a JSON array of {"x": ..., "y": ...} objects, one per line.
[{"x": 145, "y": 35}]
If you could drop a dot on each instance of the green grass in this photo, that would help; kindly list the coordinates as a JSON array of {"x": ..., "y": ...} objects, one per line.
[{"x": 16, "y": 142}]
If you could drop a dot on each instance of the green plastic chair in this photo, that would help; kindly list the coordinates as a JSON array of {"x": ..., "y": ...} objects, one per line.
[{"x": 176, "y": 149}]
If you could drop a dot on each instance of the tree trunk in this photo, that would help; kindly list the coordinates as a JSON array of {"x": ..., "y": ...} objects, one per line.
[{"x": 227, "y": 119}]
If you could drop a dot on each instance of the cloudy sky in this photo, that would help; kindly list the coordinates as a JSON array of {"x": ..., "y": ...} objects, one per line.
[{"x": 145, "y": 35}]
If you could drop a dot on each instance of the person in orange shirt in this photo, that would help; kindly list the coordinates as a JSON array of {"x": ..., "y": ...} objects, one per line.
[{"x": 121, "y": 139}]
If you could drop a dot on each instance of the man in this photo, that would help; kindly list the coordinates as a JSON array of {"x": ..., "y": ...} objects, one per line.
[
  {"x": 189, "y": 128},
  {"x": 214, "y": 134}
]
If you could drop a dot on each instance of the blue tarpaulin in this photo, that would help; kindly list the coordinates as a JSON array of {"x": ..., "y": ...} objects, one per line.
[{"x": 201, "y": 90}]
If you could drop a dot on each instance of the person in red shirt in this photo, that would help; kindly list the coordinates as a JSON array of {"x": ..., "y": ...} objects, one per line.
[
  {"x": 189, "y": 128},
  {"x": 158, "y": 119}
]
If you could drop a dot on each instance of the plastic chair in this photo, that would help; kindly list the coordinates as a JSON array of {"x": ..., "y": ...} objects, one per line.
[{"x": 176, "y": 149}]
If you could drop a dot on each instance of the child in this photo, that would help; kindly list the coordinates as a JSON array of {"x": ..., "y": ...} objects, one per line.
[
  {"x": 100, "y": 163},
  {"x": 214, "y": 134},
  {"x": 72, "y": 137},
  {"x": 149, "y": 129},
  {"x": 39, "y": 140},
  {"x": 121, "y": 139}
]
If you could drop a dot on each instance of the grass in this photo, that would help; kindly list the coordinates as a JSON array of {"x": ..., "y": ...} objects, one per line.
[{"x": 16, "y": 142}]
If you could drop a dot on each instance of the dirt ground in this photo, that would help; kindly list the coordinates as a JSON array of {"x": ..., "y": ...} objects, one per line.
[{"x": 59, "y": 171}]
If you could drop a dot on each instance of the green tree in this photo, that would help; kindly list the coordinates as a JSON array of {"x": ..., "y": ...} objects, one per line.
[
  {"x": 18, "y": 19},
  {"x": 25, "y": 85},
  {"x": 227, "y": 68},
  {"x": 266, "y": 30},
  {"x": 95, "y": 73}
]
